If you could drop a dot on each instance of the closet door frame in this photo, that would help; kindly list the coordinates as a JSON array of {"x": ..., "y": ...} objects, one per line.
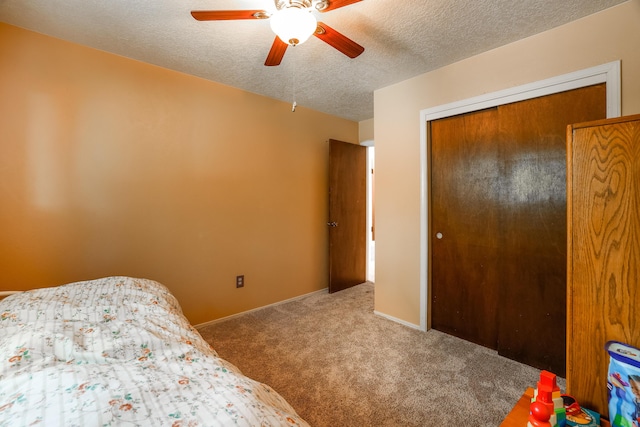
[{"x": 607, "y": 73}]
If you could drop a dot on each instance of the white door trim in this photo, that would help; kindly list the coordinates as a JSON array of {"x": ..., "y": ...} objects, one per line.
[{"x": 607, "y": 73}]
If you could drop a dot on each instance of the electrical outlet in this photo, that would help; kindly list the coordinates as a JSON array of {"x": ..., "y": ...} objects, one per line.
[{"x": 240, "y": 281}]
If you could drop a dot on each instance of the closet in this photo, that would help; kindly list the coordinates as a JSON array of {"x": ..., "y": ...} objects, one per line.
[
  {"x": 603, "y": 265},
  {"x": 498, "y": 224}
]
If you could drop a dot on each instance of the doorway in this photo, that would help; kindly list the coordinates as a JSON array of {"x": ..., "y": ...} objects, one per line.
[
  {"x": 351, "y": 214},
  {"x": 347, "y": 215},
  {"x": 371, "y": 216}
]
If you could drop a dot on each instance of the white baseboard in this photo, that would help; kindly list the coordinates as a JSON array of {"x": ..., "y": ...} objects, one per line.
[
  {"x": 222, "y": 319},
  {"x": 400, "y": 321}
]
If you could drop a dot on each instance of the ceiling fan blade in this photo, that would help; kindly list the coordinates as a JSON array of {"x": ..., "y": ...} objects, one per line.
[
  {"x": 276, "y": 53},
  {"x": 334, "y": 4},
  {"x": 338, "y": 41},
  {"x": 225, "y": 15}
]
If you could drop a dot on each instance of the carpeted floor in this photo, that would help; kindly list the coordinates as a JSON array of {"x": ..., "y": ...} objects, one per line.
[{"x": 340, "y": 365}]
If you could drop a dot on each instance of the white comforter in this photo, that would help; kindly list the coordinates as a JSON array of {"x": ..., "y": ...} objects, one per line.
[{"x": 118, "y": 351}]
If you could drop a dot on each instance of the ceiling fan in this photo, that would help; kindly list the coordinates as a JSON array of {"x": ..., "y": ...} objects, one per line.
[{"x": 293, "y": 23}]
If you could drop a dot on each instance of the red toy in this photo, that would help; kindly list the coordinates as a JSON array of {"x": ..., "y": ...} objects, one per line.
[
  {"x": 547, "y": 409},
  {"x": 539, "y": 415}
]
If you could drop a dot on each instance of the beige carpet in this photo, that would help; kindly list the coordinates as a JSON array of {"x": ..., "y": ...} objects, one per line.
[{"x": 340, "y": 365}]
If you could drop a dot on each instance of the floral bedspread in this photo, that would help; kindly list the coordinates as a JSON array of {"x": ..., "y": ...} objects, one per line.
[{"x": 119, "y": 352}]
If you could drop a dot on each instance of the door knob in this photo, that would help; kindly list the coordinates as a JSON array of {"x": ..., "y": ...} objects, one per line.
[
  {"x": 439, "y": 235},
  {"x": 332, "y": 224}
]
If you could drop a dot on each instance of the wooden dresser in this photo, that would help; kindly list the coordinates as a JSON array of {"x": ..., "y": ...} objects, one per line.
[{"x": 603, "y": 251}]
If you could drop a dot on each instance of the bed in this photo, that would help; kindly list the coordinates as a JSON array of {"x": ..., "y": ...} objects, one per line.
[{"x": 119, "y": 351}]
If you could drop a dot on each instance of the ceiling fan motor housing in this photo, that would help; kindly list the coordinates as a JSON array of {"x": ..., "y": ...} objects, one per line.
[{"x": 319, "y": 5}]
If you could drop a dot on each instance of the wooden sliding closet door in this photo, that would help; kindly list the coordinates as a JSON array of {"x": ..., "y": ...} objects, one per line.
[
  {"x": 498, "y": 230},
  {"x": 465, "y": 177},
  {"x": 532, "y": 315}
]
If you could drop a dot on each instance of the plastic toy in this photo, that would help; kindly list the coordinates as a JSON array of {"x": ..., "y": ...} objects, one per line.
[{"x": 547, "y": 407}]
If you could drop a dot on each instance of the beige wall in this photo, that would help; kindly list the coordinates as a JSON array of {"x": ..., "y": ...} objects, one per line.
[
  {"x": 366, "y": 130},
  {"x": 110, "y": 166},
  {"x": 595, "y": 40}
]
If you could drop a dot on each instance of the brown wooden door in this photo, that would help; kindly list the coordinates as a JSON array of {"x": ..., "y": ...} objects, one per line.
[
  {"x": 465, "y": 174},
  {"x": 347, "y": 215},
  {"x": 532, "y": 315},
  {"x": 499, "y": 199}
]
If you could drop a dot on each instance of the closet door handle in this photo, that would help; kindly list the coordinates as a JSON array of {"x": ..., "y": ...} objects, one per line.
[{"x": 332, "y": 224}]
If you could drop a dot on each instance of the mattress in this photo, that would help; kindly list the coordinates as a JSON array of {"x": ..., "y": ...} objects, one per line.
[{"x": 119, "y": 351}]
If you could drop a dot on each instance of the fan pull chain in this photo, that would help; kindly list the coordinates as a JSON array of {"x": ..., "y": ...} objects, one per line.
[{"x": 294, "y": 63}]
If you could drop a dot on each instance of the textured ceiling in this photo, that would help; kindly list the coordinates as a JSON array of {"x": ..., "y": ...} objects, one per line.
[{"x": 402, "y": 38}]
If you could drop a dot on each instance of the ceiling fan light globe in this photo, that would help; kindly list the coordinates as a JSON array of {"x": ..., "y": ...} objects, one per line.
[{"x": 293, "y": 25}]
